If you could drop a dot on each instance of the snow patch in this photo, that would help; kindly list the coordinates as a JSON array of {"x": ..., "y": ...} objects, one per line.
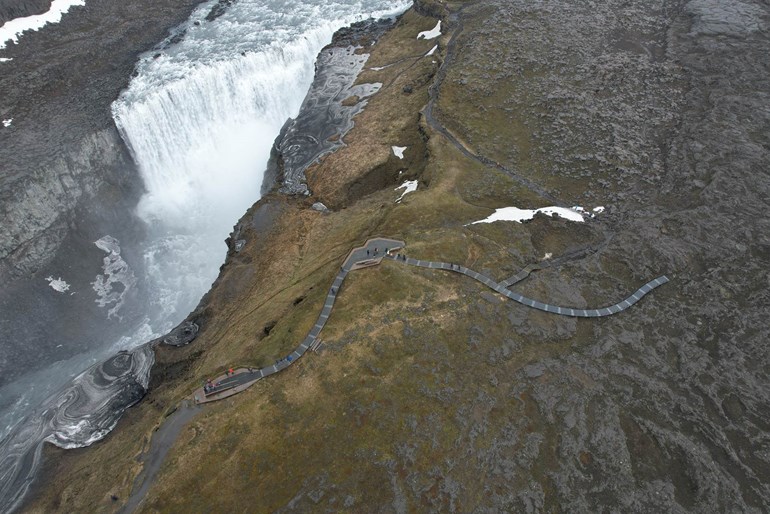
[
  {"x": 432, "y": 50},
  {"x": 7, "y": 123},
  {"x": 408, "y": 187},
  {"x": 398, "y": 151},
  {"x": 519, "y": 215},
  {"x": 431, "y": 34},
  {"x": 6, "y": 59},
  {"x": 57, "y": 284},
  {"x": 12, "y": 29},
  {"x": 584, "y": 212}
]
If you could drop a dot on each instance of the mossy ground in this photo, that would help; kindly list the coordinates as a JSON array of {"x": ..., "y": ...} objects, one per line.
[{"x": 415, "y": 377}]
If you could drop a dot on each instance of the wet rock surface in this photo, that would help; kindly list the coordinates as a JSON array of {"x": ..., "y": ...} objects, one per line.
[
  {"x": 327, "y": 112},
  {"x": 183, "y": 334},
  {"x": 67, "y": 178}
]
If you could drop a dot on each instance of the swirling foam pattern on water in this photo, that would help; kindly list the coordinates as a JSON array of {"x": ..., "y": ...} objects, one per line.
[
  {"x": 200, "y": 117},
  {"x": 80, "y": 414}
]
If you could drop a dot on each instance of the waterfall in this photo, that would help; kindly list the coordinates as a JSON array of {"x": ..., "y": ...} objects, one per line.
[{"x": 200, "y": 118}]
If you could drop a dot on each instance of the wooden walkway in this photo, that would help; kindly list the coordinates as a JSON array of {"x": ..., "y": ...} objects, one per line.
[
  {"x": 529, "y": 302},
  {"x": 371, "y": 254}
]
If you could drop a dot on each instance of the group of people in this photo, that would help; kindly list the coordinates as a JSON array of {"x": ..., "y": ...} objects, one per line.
[
  {"x": 209, "y": 385},
  {"x": 287, "y": 359},
  {"x": 376, "y": 250}
]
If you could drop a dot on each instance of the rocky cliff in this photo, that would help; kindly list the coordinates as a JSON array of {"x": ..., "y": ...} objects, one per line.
[
  {"x": 38, "y": 206},
  {"x": 10, "y": 9},
  {"x": 433, "y": 395},
  {"x": 67, "y": 178}
]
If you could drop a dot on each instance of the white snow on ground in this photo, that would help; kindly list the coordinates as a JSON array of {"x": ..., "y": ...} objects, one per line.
[
  {"x": 584, "y": 212},
  {"x": 57, "y": 284},
  {"x": 398, "y": 151},
  {"x": 431, "y": 34},
  {"x": 408, "y": 187},
  {"x": 12, "y": 29},
  {"x": 7, "y": 123},
  {"x": 6, "y": 59},
  {"x": 519, "y": 215},
  {"x": 547, "y": 256},
  {"x": 581, "y": 210},
  {"x": 432, "y": 50}
]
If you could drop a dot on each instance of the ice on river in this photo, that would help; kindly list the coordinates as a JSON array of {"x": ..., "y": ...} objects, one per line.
[{"x": 57, "y": 284}]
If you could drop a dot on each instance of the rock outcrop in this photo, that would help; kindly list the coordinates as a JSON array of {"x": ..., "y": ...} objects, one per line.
[
  {"x": 10, "y": 9},
  {"x": 38, "y": 207}
]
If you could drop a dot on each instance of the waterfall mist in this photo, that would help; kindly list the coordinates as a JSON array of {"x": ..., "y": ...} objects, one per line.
[{"x": 200, "y": 118}]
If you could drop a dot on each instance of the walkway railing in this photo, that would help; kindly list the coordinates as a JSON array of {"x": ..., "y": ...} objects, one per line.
[{"x": 373, "y": 251}]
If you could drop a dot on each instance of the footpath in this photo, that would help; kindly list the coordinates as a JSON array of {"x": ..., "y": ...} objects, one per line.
[{"x": 371, "y": 254}]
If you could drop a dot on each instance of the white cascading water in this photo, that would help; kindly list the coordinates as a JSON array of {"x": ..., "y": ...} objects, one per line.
[{"x": 200, "y": 119}]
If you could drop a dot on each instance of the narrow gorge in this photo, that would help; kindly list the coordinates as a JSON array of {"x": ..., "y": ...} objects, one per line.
[{"x": 200, "y": 185}]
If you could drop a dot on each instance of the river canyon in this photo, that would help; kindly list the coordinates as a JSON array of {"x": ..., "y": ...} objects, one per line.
[{"x": 207, "y": 167}]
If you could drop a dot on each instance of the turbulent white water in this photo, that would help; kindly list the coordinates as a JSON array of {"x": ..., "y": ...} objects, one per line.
[{"x": 200, "y": 119}]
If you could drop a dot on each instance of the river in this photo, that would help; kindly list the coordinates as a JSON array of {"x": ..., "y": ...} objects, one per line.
[{"x": 199, "y": 116}]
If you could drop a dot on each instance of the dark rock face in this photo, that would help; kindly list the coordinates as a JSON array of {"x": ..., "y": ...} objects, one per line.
[
  {"x": 67, "y": 178},
  {"x": 182, "y": 334},
  {"x": 661, "y": 106},
  {"x": 37, "y": 207},
  {"x": 327, "y": 112},
  {"x": 218, "y": 9},
  {"x": 10, "y": 9}
]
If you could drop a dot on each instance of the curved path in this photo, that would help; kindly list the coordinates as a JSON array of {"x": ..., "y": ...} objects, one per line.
[
  {"x": 524, "y": 273},
  {"x": 371, "y": 254},
  {"x": 529, "y": 302},
  {"x": 433, "y": 91}
]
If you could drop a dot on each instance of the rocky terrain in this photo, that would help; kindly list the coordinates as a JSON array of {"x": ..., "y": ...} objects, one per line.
[
  {"x": 434, "y": 395},
  {"x": 67, "y": 178},
  {"x": 10, "y": 9}
]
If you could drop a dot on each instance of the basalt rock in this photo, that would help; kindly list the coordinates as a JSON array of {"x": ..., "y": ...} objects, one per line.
[
  {"x": 183, "y": 334},
  {"x": 10, "y": 9}
]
